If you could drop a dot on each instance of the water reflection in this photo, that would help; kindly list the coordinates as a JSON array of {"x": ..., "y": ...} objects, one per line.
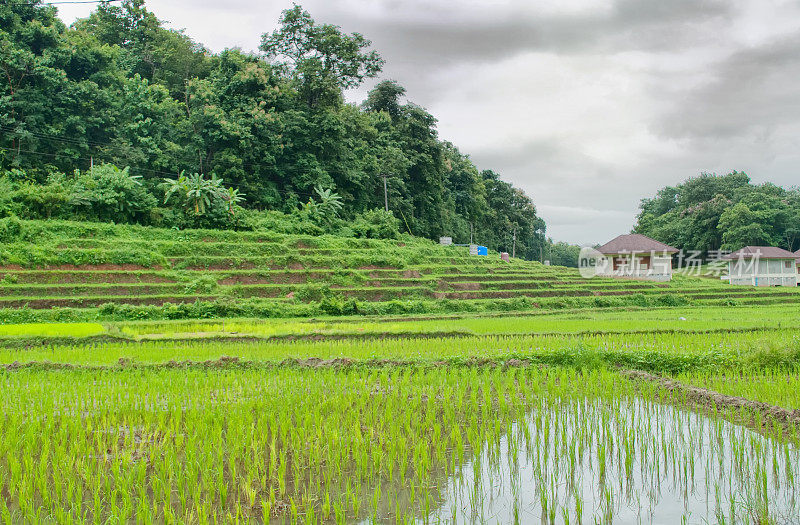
[{"x": 629, "y": 461}]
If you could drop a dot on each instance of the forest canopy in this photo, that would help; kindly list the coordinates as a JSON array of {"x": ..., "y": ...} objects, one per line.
[
  {"x": 712, "y": 212},
  {"x": 187, "y": 137}
]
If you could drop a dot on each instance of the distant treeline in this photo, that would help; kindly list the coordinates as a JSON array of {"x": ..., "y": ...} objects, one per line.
[
  {"x": 711, "y": 212},
  {"x": 250, "y": 133}
]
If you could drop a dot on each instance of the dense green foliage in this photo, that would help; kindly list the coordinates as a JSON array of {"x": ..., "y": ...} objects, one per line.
[
  {"x": 709, "y": 212},
  {"x": 272, "y": 130}
]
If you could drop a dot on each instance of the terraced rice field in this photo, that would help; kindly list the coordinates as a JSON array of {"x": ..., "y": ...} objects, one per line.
[
  {"x": 79, "y": 271},
  {"x": 218, "y": 377}
]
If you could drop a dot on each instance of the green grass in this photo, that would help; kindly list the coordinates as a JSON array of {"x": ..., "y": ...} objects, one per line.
[
  {"x": 661, "y": 353},
  {"x": 686, "y": 319},
  {"x": 577, "y": 322}
]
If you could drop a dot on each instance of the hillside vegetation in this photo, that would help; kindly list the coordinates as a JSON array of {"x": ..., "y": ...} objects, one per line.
[
  {"x": 118, "y": 118},
  {"x": 61, "y": 270}
]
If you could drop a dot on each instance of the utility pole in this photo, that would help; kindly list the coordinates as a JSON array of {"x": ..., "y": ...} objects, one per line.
[
  {"x": 385, "y": 193},
  {"x": 514, "y": 245},
  {"x": 471, "y": 228}
]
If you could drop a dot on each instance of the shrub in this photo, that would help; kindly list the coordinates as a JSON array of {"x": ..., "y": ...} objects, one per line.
[
  {"x": 333, "y": 305},
  {"x": 42, "y": 201},
  {"x": 313, "y": 292},
  {"x": 376, "y": 224},
  {"x": 110, "y": 194},
  {"x": 10, "y": 229},
  {"x": 6, "y": 193},
  {"x": 279, "y": 222},
  {"x": 204, "y": 284}
]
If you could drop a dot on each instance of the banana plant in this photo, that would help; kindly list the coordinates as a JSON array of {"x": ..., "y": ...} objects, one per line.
[
  {"x": 196, "y": 189},
  {"x": 233, "y": 197}
]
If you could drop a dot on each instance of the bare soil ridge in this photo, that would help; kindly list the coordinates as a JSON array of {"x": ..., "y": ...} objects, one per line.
[{"x": 762, "y": 413}]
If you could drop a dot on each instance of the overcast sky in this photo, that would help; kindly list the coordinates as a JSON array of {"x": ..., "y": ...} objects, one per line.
[{"x": 587, "y": 105}]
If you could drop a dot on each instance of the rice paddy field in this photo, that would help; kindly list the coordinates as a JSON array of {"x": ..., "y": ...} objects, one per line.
[{"x": 461, "y": 391}]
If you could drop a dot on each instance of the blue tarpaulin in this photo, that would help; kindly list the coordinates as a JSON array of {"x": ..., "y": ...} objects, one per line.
[{"x": 483, "y": 250}]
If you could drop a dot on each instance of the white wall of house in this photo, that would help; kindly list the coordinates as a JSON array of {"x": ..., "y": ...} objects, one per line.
[
  {"x": 762, "y": 272},
  {"x": 651, "y": 267}
]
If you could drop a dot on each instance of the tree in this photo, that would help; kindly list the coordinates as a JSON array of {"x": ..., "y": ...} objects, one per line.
[
  {"x": 791, "y": 235},
  {"x": 327, "y": 208},
  {"x": 108, "y": 193},
  {"x": 710, "y": 212},
  {"x": 322, "y": 58},
  {"x": 233, "y": 198},
  {"x": 385, "y": 96},
  {"x": 31, "y": 44},
  {"x": 563, "y": 254},
  {"x": 742, "y": 228},
  {"x": 132, "y": 28},
  {"x": 120, "y": 89}
]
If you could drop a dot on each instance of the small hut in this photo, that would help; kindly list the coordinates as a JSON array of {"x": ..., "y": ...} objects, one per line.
[
  {"x": 636, "y": 256},
  {"x": 762, "y": 266}
]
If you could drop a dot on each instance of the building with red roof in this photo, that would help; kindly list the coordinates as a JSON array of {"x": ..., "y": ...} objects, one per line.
[{"x": 636, "y": 256}]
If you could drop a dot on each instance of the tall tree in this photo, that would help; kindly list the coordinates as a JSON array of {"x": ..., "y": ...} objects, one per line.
[
  {"x": 385, "y": 96},
  {"x": 322, "y": 58}
]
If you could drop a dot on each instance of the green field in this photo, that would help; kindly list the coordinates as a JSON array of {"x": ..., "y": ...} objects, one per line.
[{"x": 153, "y": 376}]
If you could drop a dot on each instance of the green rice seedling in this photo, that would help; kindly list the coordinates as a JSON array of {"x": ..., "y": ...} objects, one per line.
[
  {"x": 774, "y": 386},
  {"x": 51, "y": 330}
]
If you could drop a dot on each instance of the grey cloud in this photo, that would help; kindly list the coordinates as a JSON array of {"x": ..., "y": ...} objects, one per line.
[
  {"x": 751, "y": 93},
  {"x": 436, "y": 39}
]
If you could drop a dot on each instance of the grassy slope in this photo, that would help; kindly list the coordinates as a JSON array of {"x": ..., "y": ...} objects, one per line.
[{"x": 60, "y": 271}]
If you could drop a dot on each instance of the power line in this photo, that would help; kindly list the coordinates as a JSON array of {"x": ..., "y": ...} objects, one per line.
[
  {"x": 78, "y": 142},
  {"x": 46, "y": 136},
  {"x": 71, "y": 157},
  {"x": 82, "y": 2}
]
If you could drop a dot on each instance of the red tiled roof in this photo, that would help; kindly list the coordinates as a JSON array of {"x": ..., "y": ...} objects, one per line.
[
  {"x": 635, "y": 242},
  {"x": 762, "y": 252},
  {"x": 797, "y": 254}
]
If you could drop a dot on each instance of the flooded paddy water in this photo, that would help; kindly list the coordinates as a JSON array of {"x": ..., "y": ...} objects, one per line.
[{"x": 632, "y": 461}]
